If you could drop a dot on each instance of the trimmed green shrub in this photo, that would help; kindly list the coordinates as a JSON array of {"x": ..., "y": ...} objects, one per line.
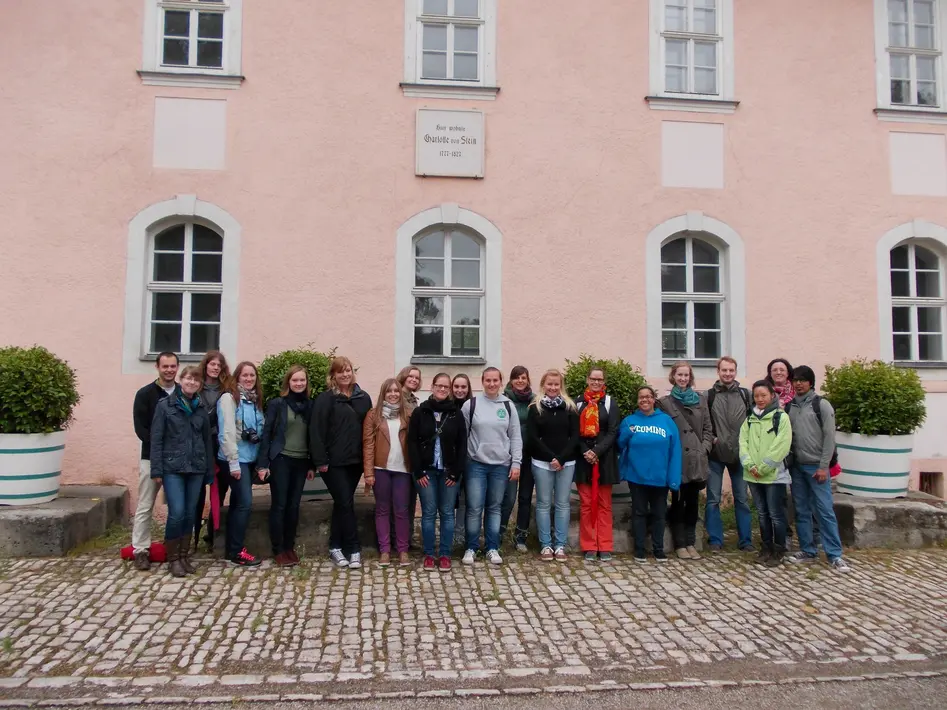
[
  {"x": 274, "y": 368},
  {"x": 622, "y": 380},
  {"x": 37, "y": 391},
  {"x": 874, "y": 397}
]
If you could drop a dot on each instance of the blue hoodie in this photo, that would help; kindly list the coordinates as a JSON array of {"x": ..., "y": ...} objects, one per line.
[{"x": 650, "y": 450}]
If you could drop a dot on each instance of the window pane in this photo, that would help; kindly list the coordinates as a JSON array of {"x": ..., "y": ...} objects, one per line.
[
  {"x": 434, "y": 66},
  {"x": 428, "y": 341},
  {"x": 463, "y": 246},
  {"x": 673, "y": 279},
  {"x": 706, "y": 316},
  {"x": 674, "y": 252},
  {"x": 673, "y": 344},
  {"x": 675, "y": 79},
  {"x": 901, "y": 319},
  {"x": 435, "y": 37},
  {"x": 465, "y": 274},
  {"x": 210, "y": 25},
  {"x": 926, "y": 93},
  {"x": 899, "y": 257},
  {"x": 466, "y": 8},
  {"x": 705, "y": 54},
  {"x": 466, "y": 67},
  {"x": 166, "y": 306},
  {"x": 675, "y": 18},
  {"x": 675, "y": 52},
  {"x": 169, "y": 267},
  {"x": 207, "y": 239},
  {"x": 171, "y": 239},
  {"x": 930, "y": 347},
  {"x": 923, "y": 37},
  {"x": 207, "y": 268},
  {"x": 706, "y": 344},
  {"x": 925, "y": 259},
  {"x": 428, "y": 273},
  {"x": 900, "y": 66},
  {"x": 926, "y": 68},
  {"x": 674, "y": 315},
  {"x": 465, "y": 39},
  {"x": 204, "y": 337},
  {"x": 928, "y": 320},
  {"x": 705, "y": 81},
  {"x": 429, "y": 246},
  {"x": 704, "y": 253},
  {"x": 900, "y": 284},
  {"x": 465, "y": 311},
  {"x": 902, "y": 347},
  {"x": 428, "y": 310},
  {"x": 928, "y": 284},
  {"x": 175, "y": 52},
  {"x": 435, "y": 7},
  {"x": 210, "y": 54},
  {"x": 897, "y": 34},
  {"x": 900, "y": 92},
  {"x": 705, "y": 21},
  {"x": 923, "y": 11},
  {"x": 706, "y": 279},
  {"x": 205, "y": 307},
  {"x": 165, "y": 336},
  {"x": 465, "y": 341},
  {"x": 897, "y": 10},
  {"x": 177, "y": 24}
]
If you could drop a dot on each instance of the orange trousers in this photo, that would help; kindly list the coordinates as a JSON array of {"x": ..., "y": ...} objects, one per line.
[{"x": 595, "y": 529}]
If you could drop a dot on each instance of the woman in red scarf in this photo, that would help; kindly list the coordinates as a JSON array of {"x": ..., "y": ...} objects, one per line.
[{"x": 596, "y": 468}]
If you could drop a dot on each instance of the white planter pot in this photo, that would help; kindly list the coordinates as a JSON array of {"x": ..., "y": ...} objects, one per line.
[
  {"x": 874, "y": 466},
  {"x": 30, "y": 467}
]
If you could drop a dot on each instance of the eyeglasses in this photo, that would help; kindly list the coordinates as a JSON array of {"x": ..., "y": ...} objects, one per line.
[
  {"x": 440, "y": 387},
  {"x": 645, "y": 396},
  {"x": 596, "y": 379}
]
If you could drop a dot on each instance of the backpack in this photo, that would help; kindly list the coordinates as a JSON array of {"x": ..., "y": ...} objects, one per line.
[
  {"x": 473, "y": 407},
  {"x": 816, "y": 405},
  {"x": 712, "y": 394}
]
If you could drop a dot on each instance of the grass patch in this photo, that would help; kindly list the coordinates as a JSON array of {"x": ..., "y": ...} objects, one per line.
[
  {"x": 111, "y": 539},
  {"x": 7, "y": 644},
  {"x": 257, "y": 622}
]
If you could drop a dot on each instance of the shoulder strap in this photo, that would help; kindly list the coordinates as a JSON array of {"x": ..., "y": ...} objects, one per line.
[
  {"x": 817, "y": 406},
  {"x": 788, "y": 406},
  {"x": 711, "y": 395},
  {"x": 776, "y": 417},
  {"x": 745, "y": 394},
  {"x": 509, "y": 410},
  {"x": 473, "y": 406}
]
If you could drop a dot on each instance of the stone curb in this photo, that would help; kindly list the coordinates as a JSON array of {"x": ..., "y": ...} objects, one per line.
[{"x": 88, "y": 700}]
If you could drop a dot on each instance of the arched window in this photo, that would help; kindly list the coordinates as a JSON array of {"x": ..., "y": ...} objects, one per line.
[
  {"x": 917, "y": 303},
  {"x": 692, "y": 299}
]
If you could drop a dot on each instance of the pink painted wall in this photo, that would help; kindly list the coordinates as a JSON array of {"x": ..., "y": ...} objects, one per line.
[{"x": 320, "y": 155}]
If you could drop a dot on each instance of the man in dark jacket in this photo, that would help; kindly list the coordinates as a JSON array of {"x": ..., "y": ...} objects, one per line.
[
  {"x": 729, "y": 404},
  {"x": 143, "y": 413}
]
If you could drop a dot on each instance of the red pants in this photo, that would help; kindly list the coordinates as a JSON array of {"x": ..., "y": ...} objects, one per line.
[{"x": 595, "y": 531}]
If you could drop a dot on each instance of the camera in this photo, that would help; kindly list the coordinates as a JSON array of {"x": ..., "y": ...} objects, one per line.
[{"x": 251, "y": 436}]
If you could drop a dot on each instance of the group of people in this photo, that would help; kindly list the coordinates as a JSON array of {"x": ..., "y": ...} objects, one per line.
[{"x": 493, "y": 448}]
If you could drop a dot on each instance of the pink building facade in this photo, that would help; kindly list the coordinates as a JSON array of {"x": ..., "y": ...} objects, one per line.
[{"x": 467, "y": 182}]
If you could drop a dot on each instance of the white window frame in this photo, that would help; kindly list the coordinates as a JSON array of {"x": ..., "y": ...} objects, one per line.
[
  {"x": 732, "y": 290},
  {"x": 449, "y": 217},
  {"x": 909, "y": 113},
  {"x": 930, "y": 236},
  {"x": 913, "y": 302},
  {"x": 417, "y": 87},
  {"x": 659, "y": 98},
  {"x": 142, "y": 230},
  {"x": 155, "y": 73}
]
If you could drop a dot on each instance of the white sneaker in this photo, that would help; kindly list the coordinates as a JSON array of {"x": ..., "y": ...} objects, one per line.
[
  {"x": 355, "y": 561},
  {"x": 800, "y": 557},
  {"x": 840, "y": 565},
  {"x": 469, "y": 556},
  {"x": 493, "y": 557},
  {"x": 338, "y": 558},
  {"x": 521, "y": 547}
]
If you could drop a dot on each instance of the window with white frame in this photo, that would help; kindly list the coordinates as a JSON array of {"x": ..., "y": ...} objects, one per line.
[
  {"x": 691, "y": 46},
  {"x": 185, "y": 287},
  {"x": 692, "y": 300},
  {"x": 917, "y": 304},
  {"x": 909, "y": 53},
  {"x": 448, "y": 294}
]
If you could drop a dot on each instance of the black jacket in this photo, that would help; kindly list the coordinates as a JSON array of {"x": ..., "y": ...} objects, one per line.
[
  {"x": 273, "y": 437},
  {"x": 603, "y": 445},
  {"x": 421, "y": 432},
  {"x": 143, "y": 413},
  {"x": 554, "y": 434},
  {"x": 181, "y": 443},
  {"x": 335, "y": 430}
]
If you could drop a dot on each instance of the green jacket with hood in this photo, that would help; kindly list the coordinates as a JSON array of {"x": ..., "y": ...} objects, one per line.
[{"x": 763, "y": 448}]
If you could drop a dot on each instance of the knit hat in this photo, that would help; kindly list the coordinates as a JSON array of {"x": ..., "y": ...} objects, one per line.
[{"x": 803, "y": 373}]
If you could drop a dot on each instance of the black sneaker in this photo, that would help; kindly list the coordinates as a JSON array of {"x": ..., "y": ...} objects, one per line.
[
  {"x": 659, "y": 556},
  {"x": 763, "y": 556},
  {"x": 716, "y": 549},
  {"x": 244, "y": 559}
]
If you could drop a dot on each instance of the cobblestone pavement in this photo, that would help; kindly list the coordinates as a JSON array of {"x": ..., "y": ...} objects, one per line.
[{"x": 94, "y": 621}]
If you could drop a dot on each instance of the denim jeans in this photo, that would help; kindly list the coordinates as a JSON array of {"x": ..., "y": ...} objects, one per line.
[
  {"x": 712, "y": 520},
  {"x": 553, "y": 488},
  {"x": 181, "y": 491},
  {"x": 486, "y": 485},
  {"x": 813, "y": 498},
  {"x": 437, "y": 499},
  {"x": 238, "y": 515},
  {"x": 770, "y": 499},
  {"x": 287, "y": 480}
]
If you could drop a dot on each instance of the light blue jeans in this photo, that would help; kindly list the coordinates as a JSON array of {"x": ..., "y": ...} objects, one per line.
[
  {"x": 485, "y": 486},
  {"x": 811, "y": 497},
  {"x": 712, "y": 520},
  {"x": 553, "y": 488}
]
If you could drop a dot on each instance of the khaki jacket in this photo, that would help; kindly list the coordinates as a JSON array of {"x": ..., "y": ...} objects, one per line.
[{"x": 376, "y": 445}]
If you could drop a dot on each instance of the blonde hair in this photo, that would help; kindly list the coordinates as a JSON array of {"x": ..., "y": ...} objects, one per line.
[
  {"x": 284, "y": 390},
  {"x": 339, "y": 363},
  {"x": 677, "y": 366},
  {"x": 538, "y": 397}
]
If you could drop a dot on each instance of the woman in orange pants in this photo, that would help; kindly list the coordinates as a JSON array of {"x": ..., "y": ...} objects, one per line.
[{"x": 596, "y": 468}]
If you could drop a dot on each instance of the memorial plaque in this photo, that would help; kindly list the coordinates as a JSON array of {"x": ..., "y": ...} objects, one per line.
[{"x": 450, "y": 143}]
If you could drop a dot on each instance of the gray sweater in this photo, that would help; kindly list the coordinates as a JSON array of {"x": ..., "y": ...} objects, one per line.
[
  {"x": 812, "y": 445},
  {"x": 494, "y": 436}
]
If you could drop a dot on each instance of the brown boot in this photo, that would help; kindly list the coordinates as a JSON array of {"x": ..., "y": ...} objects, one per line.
[
  {"x": 142, "y": 561},
  {"x": 186, "y": 553},
  {"x": 175, "y": 567}
]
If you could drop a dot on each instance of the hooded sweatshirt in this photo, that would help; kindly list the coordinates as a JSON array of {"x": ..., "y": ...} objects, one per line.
[
  {"x": 494, "y": 436},
  {"x": 650, "y": 450},
  {"x": 763, "y": 448},
  {"x": 811, "y": 445}
]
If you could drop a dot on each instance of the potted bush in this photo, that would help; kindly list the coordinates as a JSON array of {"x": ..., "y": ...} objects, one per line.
[
  {"x": 37, "y": 398},
  {"x": 878, "y": 407}
]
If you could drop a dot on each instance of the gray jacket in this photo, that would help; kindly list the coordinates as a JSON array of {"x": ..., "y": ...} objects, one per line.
[
  {"x": 812, "y": 445},
  {"x": 729, "y": 413},
  {"x": 697, "y": 437}
]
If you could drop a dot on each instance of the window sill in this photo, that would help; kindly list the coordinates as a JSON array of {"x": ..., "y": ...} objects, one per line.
[
  {"x": 446, "y": 360},
  {"x": 194, "y": 357},
  {"x": 693, "y": 363},
  {"x": 691, "y": 103},
  {"x": 905, "y": 114},
  {"x": 449, "y": 91},
  {"x": 192, "y": 80},
  {"x": 925, "y": 365}
]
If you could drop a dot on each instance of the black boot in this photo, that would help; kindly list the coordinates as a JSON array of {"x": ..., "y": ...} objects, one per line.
[
  {"x": 776, "y": 559},
  {"x": 764, "y": 555}
]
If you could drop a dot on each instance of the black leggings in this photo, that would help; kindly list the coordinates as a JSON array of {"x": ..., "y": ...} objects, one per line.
[
  {"x": 342, "y": 482},
  {"x": 649, "y": 505},
  {"x": 684, "y": 514}
]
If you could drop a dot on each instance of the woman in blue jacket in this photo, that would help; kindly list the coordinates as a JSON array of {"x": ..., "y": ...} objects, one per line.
[{"x": 649, "y": 447}]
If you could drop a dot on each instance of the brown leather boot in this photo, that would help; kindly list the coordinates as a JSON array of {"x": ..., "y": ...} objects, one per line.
[
  {"x": 186, "y": 552},
  {"x": 142, "y": 561},
  {"x": 175, "y": 567}
]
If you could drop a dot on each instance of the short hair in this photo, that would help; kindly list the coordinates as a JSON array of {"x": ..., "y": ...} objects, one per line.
[
  {"x": 646, "y": 387},
  {"x": 727, "y": 358},
  {"x": 596, "y": 368},
  {"x": 491, "y": 369},
  {"x": 190, "y": 371},
  {"x": 784, "y": 361},
  {"x": 284, "y": 389},
  {"x": 677, "y": 366},
  {"x": 766, "y": 384},
  {"x": 804, "y": 373},
  {"x": 166, "y": 353}
]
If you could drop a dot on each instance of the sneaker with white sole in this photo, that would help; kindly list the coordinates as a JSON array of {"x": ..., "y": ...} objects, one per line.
[
  {"x": 338, "y": 558},
  {"x": 355, "y": 561},
  {"x": 521, "y": 547},
  {"x": 800, "y": 558},
  {"x": 469, "y": 557},
  {"x": 546, "y": 554},
  {"x": 561, "y": 554},
  {"x": 493, "y": 557},
  {"x": 840, "y": 565}
]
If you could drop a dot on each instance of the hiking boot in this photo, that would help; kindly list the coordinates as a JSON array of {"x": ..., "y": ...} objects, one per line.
[
  {"x": 142, "y": 561},
  {"x": 384, "y": 559},
  {"x": 175, "y": 567},
  {"x": 244, "y": 559},
  {"x": 429, "y": 564},
  {"x": 444, "y": 564},
  {"x": 338, "y": 558}
]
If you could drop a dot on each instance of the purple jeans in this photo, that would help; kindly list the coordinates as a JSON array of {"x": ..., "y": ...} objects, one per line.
[{"x": 392, "y": 494}]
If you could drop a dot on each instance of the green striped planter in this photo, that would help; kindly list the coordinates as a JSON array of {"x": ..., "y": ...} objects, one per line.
[
  {"x": 874, "y": 466},
  {"x": 30, "y": 467},
  {"x": 316, "y": 489}
]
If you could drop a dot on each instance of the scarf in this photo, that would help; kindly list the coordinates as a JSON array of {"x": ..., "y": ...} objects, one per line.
[
  {"x": 552, "y": 403},
  {"x": 588, "y": 419},
  {"x": 440, "y": 406},
  {"x": 390, "y": 411},
  {"x": 248, "y": 395},
  {"x": 188, "y": 405},
  {"x": 524, "y": 397},
  {"x": 688, "y": 397},
  {"x": 785, "y": 393},
  {"x": 297, "y": 401}
]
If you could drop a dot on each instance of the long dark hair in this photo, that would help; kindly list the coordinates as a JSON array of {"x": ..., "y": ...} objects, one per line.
[
  {"x": 769, "y": 369},
  {"x": 466, "y": 379},
  {"x": 224, "y": 378}
]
